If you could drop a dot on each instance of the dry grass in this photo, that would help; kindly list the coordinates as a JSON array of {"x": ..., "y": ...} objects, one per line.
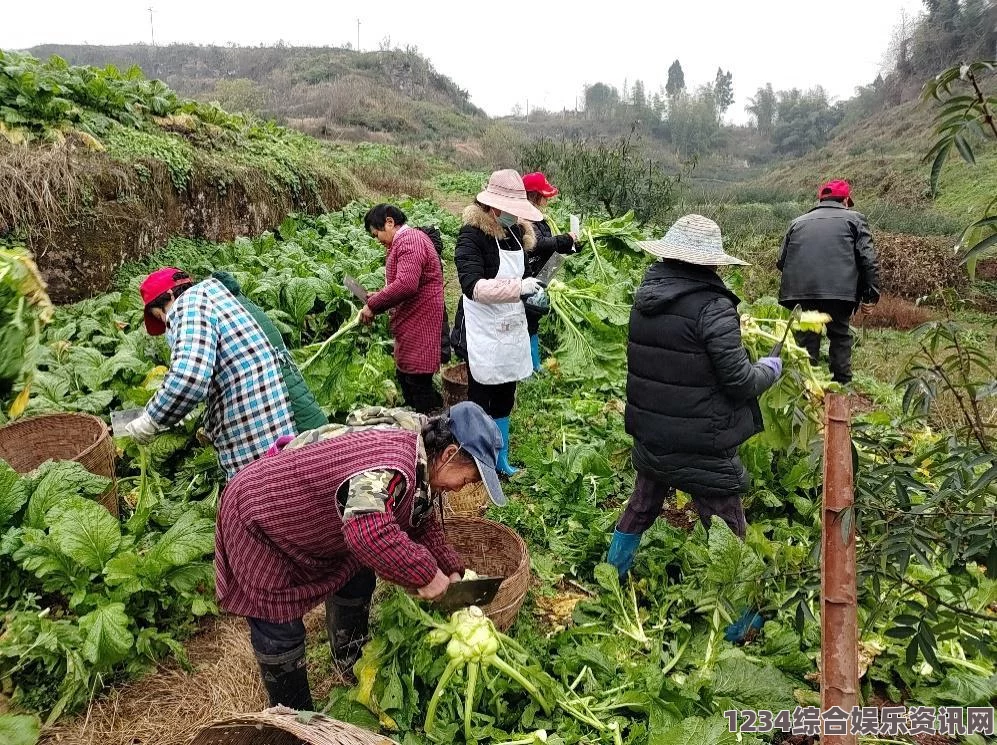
[
  {"x": 892, "y": 312},
  {"x": 170, "y": 706},
  {"x": 913, "y": 267}
]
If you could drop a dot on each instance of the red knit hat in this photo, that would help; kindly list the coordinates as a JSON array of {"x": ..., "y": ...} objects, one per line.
[
  {"x": 538, "y": 182},
  {"x": 160, "y": 281}
]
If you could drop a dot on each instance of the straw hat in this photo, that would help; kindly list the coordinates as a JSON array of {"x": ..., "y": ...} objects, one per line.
[
  {"x": 693, "y": 239},
  {"x": 505, "y": 191}
]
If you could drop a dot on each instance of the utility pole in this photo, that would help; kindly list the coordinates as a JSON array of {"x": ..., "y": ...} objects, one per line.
[
  {"x": 527, "y": 110},
  {"x": 358, "y": 34},
  {"x": 152, "y": 28}
]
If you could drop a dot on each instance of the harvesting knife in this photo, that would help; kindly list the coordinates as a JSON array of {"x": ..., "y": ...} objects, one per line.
[
  {"x": 354, "y": 287},
  {"x": 793, "y": 318},
  {"x": 480, "y": 591},
  {"x": 121, "y": 419},
  {"x": 544, "y": 276}
]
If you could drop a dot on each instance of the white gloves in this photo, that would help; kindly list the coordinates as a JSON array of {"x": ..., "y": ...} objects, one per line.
[
  {"x": 531, "y": 286},
  {"x": 143, "y": 429}
]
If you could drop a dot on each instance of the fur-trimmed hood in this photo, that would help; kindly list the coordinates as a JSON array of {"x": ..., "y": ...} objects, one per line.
[{"x": 484, "y": 221}]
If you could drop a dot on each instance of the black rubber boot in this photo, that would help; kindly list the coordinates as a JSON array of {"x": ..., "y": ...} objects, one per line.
[
  {"x": 285, "y": 677},
  {"x": 348, "y": 623}
]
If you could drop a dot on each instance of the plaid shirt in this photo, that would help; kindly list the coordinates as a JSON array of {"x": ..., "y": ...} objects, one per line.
[
  {"x": 282, "y": 544},
  {"x": 414, "y": 295},
  {"x": 219, "y": 355}
]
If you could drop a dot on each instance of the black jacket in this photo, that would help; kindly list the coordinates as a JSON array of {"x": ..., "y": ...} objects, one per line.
[
  {"x": 479, "y": 241},
  {"x": 828, "y": 254},
  {"x": 547, "y": 245},
  {"x": 691, "y": 389}
]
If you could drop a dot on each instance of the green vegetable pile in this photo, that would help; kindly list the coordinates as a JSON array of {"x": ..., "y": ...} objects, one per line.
[{"x": 88, "y": 601}]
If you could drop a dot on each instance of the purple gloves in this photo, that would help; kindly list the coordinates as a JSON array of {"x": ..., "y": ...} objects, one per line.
[{"x": 772, "y": 363}]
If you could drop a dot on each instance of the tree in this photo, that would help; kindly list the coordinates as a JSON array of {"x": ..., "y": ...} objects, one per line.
[
  {"x": 676, "y": 80},
  {"x": 804, "y": 120},
  {"x": 639, "y": 96},
  {"x": 692, "y": 122},
  {"x": 762, "y": 106},
  {"x": 601, "y": 100},
  {"x": 723, "y": 91}
]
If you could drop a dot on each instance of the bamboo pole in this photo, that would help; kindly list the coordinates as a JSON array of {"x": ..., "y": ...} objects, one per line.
[{"x": 839, "y": 610}]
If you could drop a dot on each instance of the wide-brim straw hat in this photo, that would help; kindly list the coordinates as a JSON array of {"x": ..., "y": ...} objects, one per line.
[
  {"x": 505, "y": 191},
  {"x": 693, "y": 239}
]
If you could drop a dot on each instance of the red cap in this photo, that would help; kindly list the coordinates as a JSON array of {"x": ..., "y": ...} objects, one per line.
[
  {"x": 836, "y": 189},
  {"x": 538, "y": 182},
  {"x": 160, "y": 281}
]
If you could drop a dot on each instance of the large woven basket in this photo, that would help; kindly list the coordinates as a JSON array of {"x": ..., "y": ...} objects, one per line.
[
  {"x": 455, "y": 384},
  {"x": 26, "y": 444},
  {"x": 492, "y": 549},
  {"x": 282, "y": 726},
  {"x": 471, "y": 501}
]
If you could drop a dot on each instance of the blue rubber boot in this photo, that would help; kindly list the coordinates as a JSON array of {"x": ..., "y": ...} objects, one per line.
[
  {"x": 535, "y": 351},
  {"x": 749, "y": 621},
  {"x": 502, "y": 465},
  {"x": 623, "y": 550}
]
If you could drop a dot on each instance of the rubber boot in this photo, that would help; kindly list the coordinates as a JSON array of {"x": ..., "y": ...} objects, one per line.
[
  {"x": 348, "y": 622},
  {"x": 739, "y": 631},
  {"x": 285, "y": 677},
  {"x": 502, "y": 465},
  {"x": 535, "y": 352},
  {"x": 622, "y": 551}
]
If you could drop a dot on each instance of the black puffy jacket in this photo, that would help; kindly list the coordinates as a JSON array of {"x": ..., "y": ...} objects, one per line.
[
  {"x": 828, "y": 254},
  {"x": 547, "y": 245},
  {"x": 479, "y": 241},
  {"x": 691, "y": 389},
  {"x": 433, "y": 233}
]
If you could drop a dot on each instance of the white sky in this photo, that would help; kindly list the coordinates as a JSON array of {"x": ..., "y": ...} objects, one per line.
[{"x": 505, "y": 53}]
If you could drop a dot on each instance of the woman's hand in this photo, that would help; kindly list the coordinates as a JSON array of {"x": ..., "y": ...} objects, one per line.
[
  {"x": 435, "y": 589},
  {"x": 455, "y": 577}
]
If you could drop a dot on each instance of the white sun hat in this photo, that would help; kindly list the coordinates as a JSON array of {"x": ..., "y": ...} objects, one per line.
[
  {"x": 693, "y": 239},
  {"x": 505, "y": 191}
]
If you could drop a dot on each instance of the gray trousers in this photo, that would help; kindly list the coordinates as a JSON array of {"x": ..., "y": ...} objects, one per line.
[{"x": 649, "y": 497}]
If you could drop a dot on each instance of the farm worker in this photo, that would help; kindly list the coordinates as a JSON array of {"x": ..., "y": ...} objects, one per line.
[
  {"x": 219, "y": 356},
  {"x": 490, "y": 329},
  {"x": 305, "y": 408},
  {"x": 692, "y": 391},
  {"x": 413, "y": 296},
  {"x": 316, "y": 521},
  {"x": 829, "y": 264},
  {"x": 539, "y": 191}
]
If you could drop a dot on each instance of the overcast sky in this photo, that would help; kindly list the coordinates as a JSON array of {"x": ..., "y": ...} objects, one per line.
[{"x": 510, "y": 52}]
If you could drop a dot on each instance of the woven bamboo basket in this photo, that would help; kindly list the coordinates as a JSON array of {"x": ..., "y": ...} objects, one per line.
[
  {"x": 26, "y": 444},
  {"x": 471, "y": 501},
  {"x": 281, "y": 726},
  {"x": 492, "y": 549},
  {"x": 455, "y": 384}
]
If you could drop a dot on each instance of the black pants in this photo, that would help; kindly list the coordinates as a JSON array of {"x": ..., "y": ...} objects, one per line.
[
  {"x": 839, "y": 336},
  {"x": 419, "y": 392},
  {"x": 649, "y": 497},
  {"x": 280, "y": 642},
  {"x": 496, "y": 400}
]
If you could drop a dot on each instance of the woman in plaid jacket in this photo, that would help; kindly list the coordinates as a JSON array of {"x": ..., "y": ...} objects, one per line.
[
  {"x": 220, "y": 357},
  {"x": 319, "y": 518}
]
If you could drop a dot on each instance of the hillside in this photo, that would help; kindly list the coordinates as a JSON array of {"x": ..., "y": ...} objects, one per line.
[
  {"x": 99, "y": 168},
  {"x": 325, "y": 91}
]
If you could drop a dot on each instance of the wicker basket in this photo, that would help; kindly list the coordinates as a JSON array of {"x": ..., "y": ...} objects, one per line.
[
  {"x": 26, "y": 444},
  {"x": 490, "y": 548},
  {"x": 455, "y": 384},
  {"x": 281, "y": 726},
  {"x": 471, "y": 501}
]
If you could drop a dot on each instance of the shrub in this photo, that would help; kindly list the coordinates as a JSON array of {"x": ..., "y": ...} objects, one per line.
[
  {"x": 913, "y": 267},
  {"x": 893, "y": 313}
]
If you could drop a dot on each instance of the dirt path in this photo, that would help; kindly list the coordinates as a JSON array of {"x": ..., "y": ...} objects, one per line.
[{"x": 170, "y": 706}]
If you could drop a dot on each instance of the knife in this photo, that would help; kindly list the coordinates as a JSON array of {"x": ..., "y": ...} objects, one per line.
[
  {"x": 480, "y": 591},
  {"x": 120, "y": 419},
  {"x": 354, "y": 287},
  {"x": 793, "y": 317}
]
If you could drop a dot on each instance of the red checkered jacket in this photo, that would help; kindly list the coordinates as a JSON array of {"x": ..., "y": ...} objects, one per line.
[
  {"x": 414, "y": 295},
  {"x": 281, "y": 546}
]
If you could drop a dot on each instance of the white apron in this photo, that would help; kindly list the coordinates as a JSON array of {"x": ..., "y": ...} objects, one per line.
[{"x": 498, "y": 343}]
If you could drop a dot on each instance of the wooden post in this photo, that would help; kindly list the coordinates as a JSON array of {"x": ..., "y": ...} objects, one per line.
[{"x": 839, "y": 611}]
